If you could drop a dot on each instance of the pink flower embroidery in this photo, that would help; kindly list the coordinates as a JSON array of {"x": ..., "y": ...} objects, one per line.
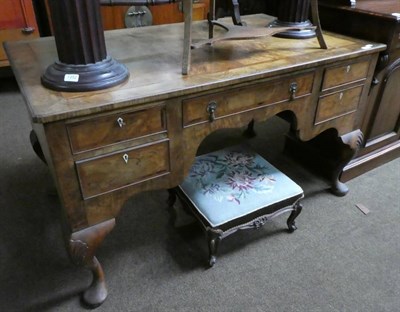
[
  {"x": 234, "y": 159},
  {"x": 243, "y": 181},
  {"x": 233, "y": 198}
]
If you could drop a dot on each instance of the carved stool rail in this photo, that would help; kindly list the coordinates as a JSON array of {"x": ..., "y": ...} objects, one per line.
[{"x": 235, "y": 189}]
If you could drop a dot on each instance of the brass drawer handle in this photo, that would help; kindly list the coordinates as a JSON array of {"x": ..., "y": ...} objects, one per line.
[
  {"x": 211, "y": 108},
  {"x": 120, "y": 122},
  {"x": 293, "y": 89},
  {"x": 27, "y": 30},
  {"x": 125, "y": 157}
]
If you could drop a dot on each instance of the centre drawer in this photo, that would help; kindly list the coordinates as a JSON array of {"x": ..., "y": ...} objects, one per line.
[
  {"x": 197, "y": 110},
  {"x": 117, "y": 170},
  {"x": 106, "y": 130}
]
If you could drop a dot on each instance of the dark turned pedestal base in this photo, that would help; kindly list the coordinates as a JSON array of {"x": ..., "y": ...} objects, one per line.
[
  {"x": 296, "y": 33},
  {"x": 86, "y": 77}
]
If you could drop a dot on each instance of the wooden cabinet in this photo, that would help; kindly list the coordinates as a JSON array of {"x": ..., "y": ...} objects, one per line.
[
  {"x": 377, "y": 21},
  {"x": 114, "y": 16},
  {"x": 17, "y": 21}
]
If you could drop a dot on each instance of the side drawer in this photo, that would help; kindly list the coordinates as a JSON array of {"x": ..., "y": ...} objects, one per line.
[
  {"x": 106, "y": 130},
  {"x": 114, "y": 171},
  {"x": 337, "y": 104},
  {"x": 195, "y": 110},
  {"x": 336, "y": 76}
]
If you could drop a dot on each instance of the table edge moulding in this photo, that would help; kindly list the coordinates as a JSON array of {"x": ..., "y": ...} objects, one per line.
[{"x": 104, "y": 146}]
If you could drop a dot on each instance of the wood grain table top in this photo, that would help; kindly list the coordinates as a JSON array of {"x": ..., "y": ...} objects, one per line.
[{"x": 153, "y": 56}]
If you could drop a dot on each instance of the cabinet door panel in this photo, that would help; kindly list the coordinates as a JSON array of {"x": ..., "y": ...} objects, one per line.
[
  {"x": 11, "y": 15},
  {"x": 385, "y": 123},
  {"x": 17, "y": 21}
]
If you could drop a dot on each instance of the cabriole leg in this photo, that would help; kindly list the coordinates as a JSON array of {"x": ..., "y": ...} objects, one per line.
[
  {"x": 36, "y": 146},
  {"x": 351, "y": 144},
  {"x": 82, "y": 247},
  {"x": 250, "y": 132}
]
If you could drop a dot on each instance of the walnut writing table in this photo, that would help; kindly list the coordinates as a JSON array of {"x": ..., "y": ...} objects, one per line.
[{"x": 104, "y": 146}]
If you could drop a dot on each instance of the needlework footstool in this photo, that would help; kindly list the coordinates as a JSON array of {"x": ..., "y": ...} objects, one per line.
[{"x": 235, "y": 189}]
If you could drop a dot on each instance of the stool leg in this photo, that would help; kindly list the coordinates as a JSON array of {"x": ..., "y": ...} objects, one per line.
[
  {"x": 213, "y": 239},
  {"x": 290, "y": 221}
]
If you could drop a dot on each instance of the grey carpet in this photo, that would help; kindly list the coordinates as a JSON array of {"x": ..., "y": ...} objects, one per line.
[{"x": 338, "y": 260}]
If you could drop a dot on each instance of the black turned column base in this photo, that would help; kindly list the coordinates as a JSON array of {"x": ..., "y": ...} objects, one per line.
[
  {"x": 86, "y": 77},
  {"x": 295, "y": 33}
]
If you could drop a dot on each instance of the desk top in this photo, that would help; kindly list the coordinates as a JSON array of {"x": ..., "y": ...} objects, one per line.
[{"x": 153, "y": 56}]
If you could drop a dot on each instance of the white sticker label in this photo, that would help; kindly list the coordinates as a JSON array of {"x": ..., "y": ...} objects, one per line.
[
  {"x": 367, "y": 47},
  {"x": 396, "y": 15},
  {"x": 71, "y": 77}
]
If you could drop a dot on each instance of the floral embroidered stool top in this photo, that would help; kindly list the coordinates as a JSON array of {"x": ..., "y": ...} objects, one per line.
[{"x": 234, "y": 189}]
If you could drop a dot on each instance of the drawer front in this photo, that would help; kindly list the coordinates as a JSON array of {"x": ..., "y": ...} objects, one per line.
[
  {"x": 196, "y": 110},
  {"x": 102, "y": 131},
  {"x": 114, "y": 171},
  {"x": 337, "y": 104},
  {"x": 336, "y": 76}
]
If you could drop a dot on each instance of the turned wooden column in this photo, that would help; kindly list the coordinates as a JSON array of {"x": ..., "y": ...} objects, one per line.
[
  {"x": 83, "y": 63},
  {"x": 294, "y": 13}
]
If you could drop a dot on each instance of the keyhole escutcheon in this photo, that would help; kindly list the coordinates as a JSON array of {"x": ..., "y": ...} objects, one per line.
[{"x": 120, "y": 122}]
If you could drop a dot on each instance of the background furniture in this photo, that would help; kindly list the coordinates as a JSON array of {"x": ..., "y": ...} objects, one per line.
[
  {"x": 236, "y": 189},
  {"x": 105, "y": 146},
  {"x": 114, "y": 17},
  {"x": 17, "y": 21},
  {"x": 376, "y": 21}
]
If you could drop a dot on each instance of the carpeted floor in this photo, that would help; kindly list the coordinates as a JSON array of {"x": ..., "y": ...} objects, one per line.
[{"x": 338, "y": 260}]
